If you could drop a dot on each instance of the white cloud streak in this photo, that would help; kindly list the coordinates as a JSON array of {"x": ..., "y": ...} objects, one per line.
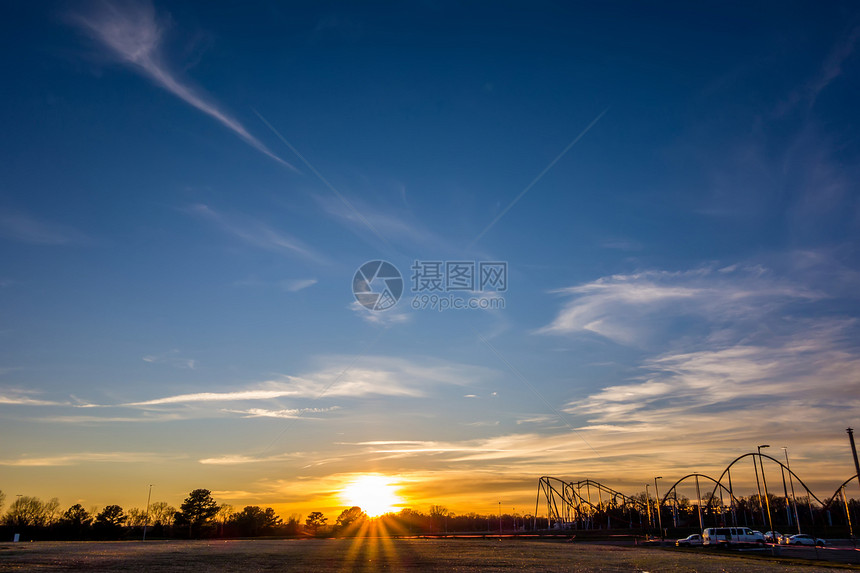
[
  {"x": 18, "y": 397},
  {"x": 255, "y": 233},
  {"x": 231, "y": 460},
  {"x": 369, "y": 375},
  {"x": 23, "y": 228},
  {"x": 84, "y": 457},
  {"x": 289, "y": 413},
  {"x": 625, "y": 308},
  {"x": 133, "y": 33}
]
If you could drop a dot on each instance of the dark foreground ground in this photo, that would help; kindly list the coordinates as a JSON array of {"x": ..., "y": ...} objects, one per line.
[{"x": 371, "y": 554}]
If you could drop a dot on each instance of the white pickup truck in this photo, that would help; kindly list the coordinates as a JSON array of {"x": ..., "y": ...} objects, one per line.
[{"x": 731, "y": 536}]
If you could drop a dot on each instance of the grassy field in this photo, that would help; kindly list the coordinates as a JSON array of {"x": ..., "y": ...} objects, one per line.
[{"x": 331, "y": 555}]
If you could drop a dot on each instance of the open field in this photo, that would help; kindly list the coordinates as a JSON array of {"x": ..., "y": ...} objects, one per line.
[{"x": 370, "y": 554}]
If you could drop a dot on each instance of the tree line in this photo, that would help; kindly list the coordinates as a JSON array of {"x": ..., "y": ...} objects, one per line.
[{"x": 200, "y": 515}]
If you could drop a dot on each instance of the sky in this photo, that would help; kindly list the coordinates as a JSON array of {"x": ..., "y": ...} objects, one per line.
[{"x": 188, "y": 190}]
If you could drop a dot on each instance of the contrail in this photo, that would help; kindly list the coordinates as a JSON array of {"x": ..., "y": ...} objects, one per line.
[
  {"x": 538, "y": 178},
  {"x": 133, "y": 34}
]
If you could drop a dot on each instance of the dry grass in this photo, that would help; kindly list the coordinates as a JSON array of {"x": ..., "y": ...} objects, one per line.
[{"x": 368, "y": 554}]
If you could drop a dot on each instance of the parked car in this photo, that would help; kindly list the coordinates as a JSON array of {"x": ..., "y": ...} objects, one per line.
[
  {"x": 732, "y": 536},
  {"x": 804, "y": 539},
  {"x": 775, "y": 537},
  {"x": 694, "y": 540}
]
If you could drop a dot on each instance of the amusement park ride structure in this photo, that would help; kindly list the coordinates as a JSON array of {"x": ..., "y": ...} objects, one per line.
[{"x": 588, "y": 504}]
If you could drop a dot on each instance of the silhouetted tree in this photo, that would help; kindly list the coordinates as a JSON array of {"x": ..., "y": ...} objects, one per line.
[
  {"x": 160, "y": 513},
  {"x": 225, "y": 511},
  {"x": 253, "y": 520},
  {"x": 352, "y": 516},
  {"x": 293, "y": 524},
  {"x": 196, "y": 511},
  {"x": 109, "y": 522},
  {"x": 51, "y": 511},
  {"x": 315, "y": 521},
  {"x": 136, "y": 517},
  {"x": 75, "y": 521},
  {"x": 438, "y": 513},
  {"x": 26, "y": 511}
]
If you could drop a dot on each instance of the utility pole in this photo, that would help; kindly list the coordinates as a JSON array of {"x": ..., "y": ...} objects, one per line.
[{"x": 146, "y": 520}]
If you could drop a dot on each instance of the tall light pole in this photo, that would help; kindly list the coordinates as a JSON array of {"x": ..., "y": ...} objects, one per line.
[
  {"x": 146, "y": 519},
  {"x": 500, "y": 517},
  {"x": 648, "y": 504},
  {"x": 659, "y": 517},
  {"x": 791, "y": 481},
  {"x": 764, "y": 483}
]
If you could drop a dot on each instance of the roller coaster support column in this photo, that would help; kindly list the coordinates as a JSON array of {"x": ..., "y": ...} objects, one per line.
[
  {"x": 764, "y": 483},
  {"x": 699, "y": 504}
]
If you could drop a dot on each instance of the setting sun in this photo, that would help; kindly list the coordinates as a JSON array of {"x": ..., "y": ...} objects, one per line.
[{"x": 372, "y": 493}]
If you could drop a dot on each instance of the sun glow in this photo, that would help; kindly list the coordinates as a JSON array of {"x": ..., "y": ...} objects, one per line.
[{"x": 372, "y": 493}]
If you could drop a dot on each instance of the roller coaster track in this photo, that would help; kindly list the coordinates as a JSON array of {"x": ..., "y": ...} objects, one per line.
[{"x": 580, "y": 502}]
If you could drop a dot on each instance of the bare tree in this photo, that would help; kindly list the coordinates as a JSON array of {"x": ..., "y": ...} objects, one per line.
[
  {"x": 136, "y": 517},
  {"x": 26, "y": 511},
  {"x": 225, "y": 510},
  {"x": 161, "y": 513},
  {"x": 51, "y": 511}
]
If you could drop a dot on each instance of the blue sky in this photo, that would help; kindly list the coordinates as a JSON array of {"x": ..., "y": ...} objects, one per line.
[{"x": 188, "y": 190}]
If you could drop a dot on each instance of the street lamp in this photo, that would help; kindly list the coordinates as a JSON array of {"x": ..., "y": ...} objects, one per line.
[
  {"x": 659, "y": 517},
  {"x": 764, "y": 483}
]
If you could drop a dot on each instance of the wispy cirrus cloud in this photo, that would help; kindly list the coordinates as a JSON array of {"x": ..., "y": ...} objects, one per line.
[
  {"x": 26, "y": 397},
  {"x": 733, "y": 378},
  {"x": 287, "y": 285},
  {"x": 629, "y": 308},
  {"x": 288, "y": 413},
  {"x": 133, "y": 33},
  {"x": 171, "y": 358},
  {"x": 344, "y": 376},
  {"x": 254, "y": 232},
  {"x": 379, "y": 318},
  {"x": 830, "y": 70},
  {"x": 231, "y": 460},
  {"x": 22, "y": 227},
  {"x": 84, "y": 458},
  {"x": 295, "y": 285},
  {"x": 145, "y": 417},
  {"x": 798, "y": 389}
]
